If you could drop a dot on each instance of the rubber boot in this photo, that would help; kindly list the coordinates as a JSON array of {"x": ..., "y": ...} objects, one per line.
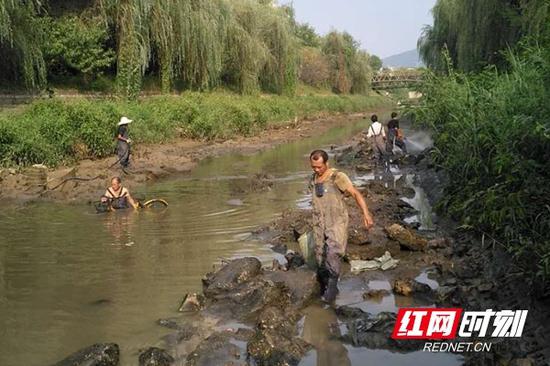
[
  {"x": 331, "y": 291},
  {"x": 322, "y": 278}
]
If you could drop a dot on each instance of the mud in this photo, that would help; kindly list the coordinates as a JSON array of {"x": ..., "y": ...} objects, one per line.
[{"x": 87, "y": 180}]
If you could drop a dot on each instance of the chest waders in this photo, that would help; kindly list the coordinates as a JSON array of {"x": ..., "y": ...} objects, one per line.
[
  {"x": 119, "y": 200},
  {"x": 330, "y": 230}
]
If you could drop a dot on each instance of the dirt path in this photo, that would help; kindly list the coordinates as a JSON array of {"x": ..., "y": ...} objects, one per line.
[{"x": 149, "y": 163}]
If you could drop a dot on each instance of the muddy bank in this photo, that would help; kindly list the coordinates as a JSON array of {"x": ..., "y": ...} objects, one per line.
[{"x": 87, "y": 180}]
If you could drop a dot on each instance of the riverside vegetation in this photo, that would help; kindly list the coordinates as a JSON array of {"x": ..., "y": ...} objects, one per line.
[
  {"x": 254, "y": 51},
  {"x": 490, "y": 115},
  {"x": 54, "y": 131}
]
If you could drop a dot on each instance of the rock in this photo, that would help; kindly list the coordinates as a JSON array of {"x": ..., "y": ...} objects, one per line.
[
  {"x": 373, "y": 250},
  {"x": 375, "y": 294},
  {"x": 231, "y": 276},
  {"x": 100, "y": 354},
  {"x": 437, "y": 243},
  {"x": 364, "y": 168},
  {"x": 522, "y": 362},
  {"x": 12, "y": 171},
  {"x": 276, "y": 341},
  {"x": 245, "y": 301},
  {"x": 406, "y": 237},
  {"x": 217, "y": 349},
  {"x": 365, "y": 245},
  {"x": 235, "y": 202},
  {"x": 410, "y": 287},
  {"x": 444, "y": 293},
  {"x": 301, "y": 284},
  {"x": 191, "y": 302},
  {"x": 294, "y": 260},
  {"x": 485, "y": 287},
  {"x": 155, "y": 357}
]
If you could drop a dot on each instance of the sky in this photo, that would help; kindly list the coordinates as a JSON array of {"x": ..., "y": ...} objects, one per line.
[{"x": 384, "y": 27}]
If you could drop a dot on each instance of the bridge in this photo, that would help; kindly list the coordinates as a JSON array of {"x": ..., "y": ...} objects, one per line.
[{"x": 394, "y": 79}]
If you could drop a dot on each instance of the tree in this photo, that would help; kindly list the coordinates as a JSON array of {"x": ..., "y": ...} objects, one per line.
[
  {"x": 21, "y": 40},
  {"x": 77, "y": 46},
  {"x": 475, "y": 32},
  {"x": 306, "y": 35},
  {"x": 375, "y": 63}
]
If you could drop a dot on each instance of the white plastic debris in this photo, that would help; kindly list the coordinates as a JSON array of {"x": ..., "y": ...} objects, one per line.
[{"x": 384, "y": 263}]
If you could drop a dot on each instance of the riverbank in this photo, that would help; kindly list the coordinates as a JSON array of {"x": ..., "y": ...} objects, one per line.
[
  {"x": 86, "y": 179},
  {"x": 272, "y": 316}
]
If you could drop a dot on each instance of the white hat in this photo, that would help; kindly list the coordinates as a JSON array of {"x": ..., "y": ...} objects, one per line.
[{"x": 124, "y": 121}]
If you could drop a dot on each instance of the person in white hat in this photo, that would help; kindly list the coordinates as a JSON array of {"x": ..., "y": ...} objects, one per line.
[{"x": 123, "y": 142}]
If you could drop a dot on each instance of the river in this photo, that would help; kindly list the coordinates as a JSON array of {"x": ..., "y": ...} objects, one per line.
[{"x": 70, "y": 277}]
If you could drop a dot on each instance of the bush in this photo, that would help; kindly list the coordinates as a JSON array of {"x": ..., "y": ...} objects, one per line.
[
  {"x": 54, "y": 132},
  {"x": 492, "y": 137}
]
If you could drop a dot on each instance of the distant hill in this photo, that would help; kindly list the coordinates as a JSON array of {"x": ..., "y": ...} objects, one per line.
[{"x": 403, "y": 59}]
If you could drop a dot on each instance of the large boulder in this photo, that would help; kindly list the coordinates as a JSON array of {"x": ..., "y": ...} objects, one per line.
[
  {"x": 246, "y": 300},
  {"x": 301, "y": 283},
  {"x": 406, "y": 237},
  {"x": 231, "y": 276},
  {"x": 101, "y": 354}
]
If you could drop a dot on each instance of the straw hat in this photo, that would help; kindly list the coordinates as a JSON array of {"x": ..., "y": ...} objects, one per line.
[{"x": 124, "y": 121}]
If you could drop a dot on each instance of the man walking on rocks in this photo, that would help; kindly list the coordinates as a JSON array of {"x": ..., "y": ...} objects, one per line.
[{"x": 330, "y": 220}]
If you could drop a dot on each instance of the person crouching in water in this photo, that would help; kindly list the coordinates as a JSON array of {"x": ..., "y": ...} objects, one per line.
[
  {"x": 118, "y": 196},
  {"x": 123, "y": 142},
  {"x": 330, "y": 220}
]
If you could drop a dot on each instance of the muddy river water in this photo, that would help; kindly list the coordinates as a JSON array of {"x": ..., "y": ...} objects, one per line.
[{"x": 70, "y": 277}]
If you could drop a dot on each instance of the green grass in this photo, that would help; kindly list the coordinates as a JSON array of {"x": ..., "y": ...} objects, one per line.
[
  {"x": 492, "y": 137},
  {"x": 53, "y": 131}
]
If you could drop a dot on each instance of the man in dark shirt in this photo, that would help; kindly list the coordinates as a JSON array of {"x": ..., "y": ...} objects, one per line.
[
  {"x": 123, "y": 142},
  {"x": 394, "y": 134}
]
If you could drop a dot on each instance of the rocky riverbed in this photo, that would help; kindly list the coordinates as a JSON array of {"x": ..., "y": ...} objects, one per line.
[{"x": 249, "y": 314}]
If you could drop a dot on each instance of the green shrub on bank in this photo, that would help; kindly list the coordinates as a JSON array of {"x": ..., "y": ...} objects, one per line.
[
  {"x": 55, "y": 131},
  {"x": 492, "y": 137}
]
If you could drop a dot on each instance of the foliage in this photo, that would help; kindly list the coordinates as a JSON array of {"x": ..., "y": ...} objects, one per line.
[
  {"x": 53, "y": 132},
  {"x": 249, "y": 46},
  {"x": 492, "y": 137},
  {"x": 307, "y": 36},
  {"x": 375, "y": 63},
  {"x": 349, "y": 67},
  {"x": 314, "y": 67},
  {"x": 475, "y": 32},
  {"x": 76, "y": 46},
  {"x": 21, "y": 40}
]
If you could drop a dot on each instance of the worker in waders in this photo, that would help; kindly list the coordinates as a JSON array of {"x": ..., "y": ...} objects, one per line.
[
  {"x": 123, "y": 142},
  {"x": 377, "y": 135},
  {"x": 330, "y": 220}
]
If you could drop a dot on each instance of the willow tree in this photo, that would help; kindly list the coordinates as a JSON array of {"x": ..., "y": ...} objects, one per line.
[
  {"x": 186, "y": 37},
  {"x": 475, "y": 32},
  {"x": 21, "y": 40},
  {"x": 350, "y": 69},
  {"x": 261, "y": 51}
]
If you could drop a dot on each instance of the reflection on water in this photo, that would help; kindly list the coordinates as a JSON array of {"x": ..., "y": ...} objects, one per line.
[
  {"x": 70, "y": 277},
  {"x": 322, "y": 331}
]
